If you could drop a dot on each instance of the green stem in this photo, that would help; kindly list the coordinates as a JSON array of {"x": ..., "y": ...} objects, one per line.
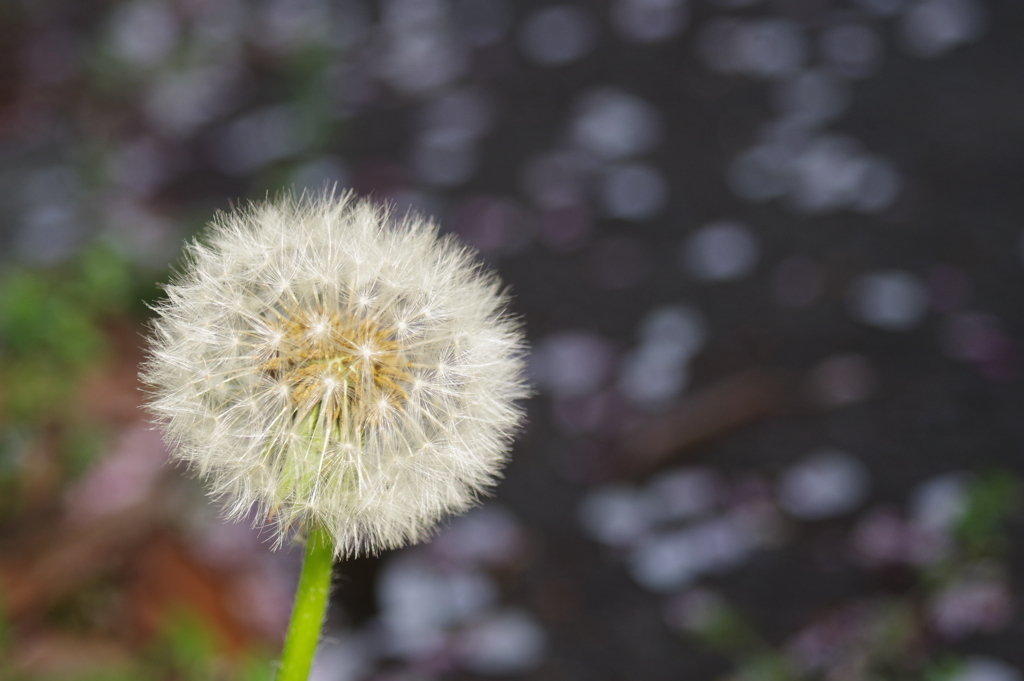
[{"x": 310, "y": 607}]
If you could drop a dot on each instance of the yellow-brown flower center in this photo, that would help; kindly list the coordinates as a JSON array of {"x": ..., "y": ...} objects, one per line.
[{"x": 345, "y": 370}]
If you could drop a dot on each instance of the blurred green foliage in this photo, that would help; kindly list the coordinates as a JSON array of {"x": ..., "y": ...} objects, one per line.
[
  {"x": 51, "y": 329},
  {"x": 889, "y": 637},
  {"x": 5, "y": 632},
  {"x": 724, "y": 628},
  {"x": 766, "y": 666},
  {"x": 991, "y": 500},
  {"x": 185, "y": 651},
  {"x": 52, "y": 334},
  {"x": 945, "y": 667}
]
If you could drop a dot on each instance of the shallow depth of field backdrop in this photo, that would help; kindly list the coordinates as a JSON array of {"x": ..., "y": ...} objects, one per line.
[{"x": 768, "y": 254}]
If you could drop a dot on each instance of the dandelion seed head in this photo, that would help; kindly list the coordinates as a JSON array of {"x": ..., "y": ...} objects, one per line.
[{"x": 329, "y": 365}]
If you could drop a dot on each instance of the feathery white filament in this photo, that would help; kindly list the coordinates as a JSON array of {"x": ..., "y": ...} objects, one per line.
[{"x": 329, "y": 365}]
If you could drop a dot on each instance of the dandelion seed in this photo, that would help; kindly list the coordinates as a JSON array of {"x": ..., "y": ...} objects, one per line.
[{"x": 337, "y": 368}]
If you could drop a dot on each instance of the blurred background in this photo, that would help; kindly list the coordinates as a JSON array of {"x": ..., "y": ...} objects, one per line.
[{"x": 769, "y": 257}]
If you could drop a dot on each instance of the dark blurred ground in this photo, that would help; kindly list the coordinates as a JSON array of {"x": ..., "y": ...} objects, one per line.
[{"x": 768, "y": 253}]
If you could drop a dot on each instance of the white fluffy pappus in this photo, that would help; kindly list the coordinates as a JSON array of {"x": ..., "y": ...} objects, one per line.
[{"x": 329, "y": 364}]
